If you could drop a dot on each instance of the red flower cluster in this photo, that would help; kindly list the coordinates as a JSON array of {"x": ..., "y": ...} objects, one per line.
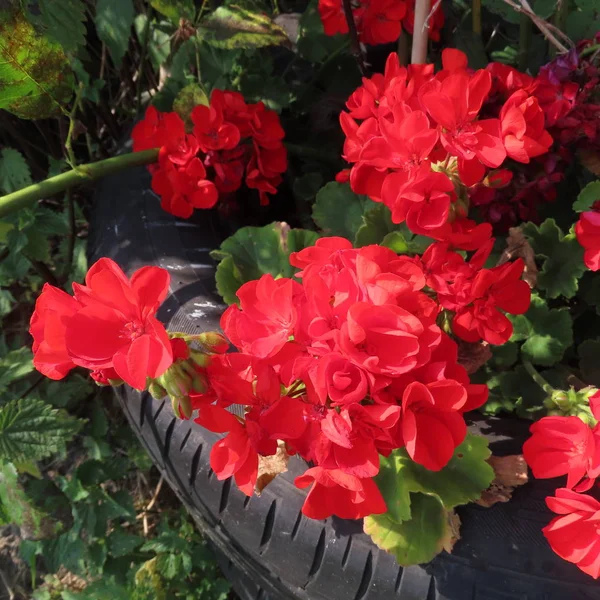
[
  {"x": 587, "y": 231},
  {"x": 417, "y": 142},
  {"x": 567, "y": 446},
  {"x": 109, "y": 326},
  {"x": 377, "y": 21},
  {"x": 230, "y": 140},
  {"x": 567, "y": 91},
  {"x": 350, "y": 364}
]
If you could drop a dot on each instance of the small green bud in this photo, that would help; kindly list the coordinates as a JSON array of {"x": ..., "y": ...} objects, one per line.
[{"x": 156, "y": 390}]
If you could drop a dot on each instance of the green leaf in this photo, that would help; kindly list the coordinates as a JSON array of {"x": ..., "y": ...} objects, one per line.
[
  {"x": 377, "y": 224},
  {"x": 307, "y": 186},
  {"x": 169, "y": 565},
  {"x": 30, "y": 429},
  {"x": 313, "y": 44},
  {"x": 461, "y": 481},
  {"x": 589, "y": 361},
  {"x": 38, "y": 245},
  {"x": 582, "y": 24},
  {"x": 159, "y": 43},
  {"x": 417, "y": 540},
  {"x": 547, "y": 332},
  {"x": 472, "y": 45},
  {"x": 253, "y": 251},
  {"x": 14, "y": 171},
  {"x": 586, "y": 198},
  {"x": 175, "y": 9},
  {"x": 235, "y": 27},
  {"x": 7, "y": 302},
  {"x": 187, "y": 99},
  {"x": 35, "y": 76},
  {"x": 62, "y": 21},
  {"x": 500, "y": 8},
  {"x": 562, "y": 258},
  {"x": 19, "y": 509},
  {"x": 14, "y": 366},
  {"x": 113, "y": 25},
  {"x": 67, "y": 550},
  {"x": 338, "y": 211},
  {"x": 120, "y": 543}
]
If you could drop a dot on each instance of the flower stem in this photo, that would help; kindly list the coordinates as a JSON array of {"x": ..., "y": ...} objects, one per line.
[
  {"x": 476, "y": 16},
  {"x": 354, "y": 41},
  {"x": 81, "y": 174},
  {"x": 420, "y": 33},
  {"x": 537, "y": 377}
]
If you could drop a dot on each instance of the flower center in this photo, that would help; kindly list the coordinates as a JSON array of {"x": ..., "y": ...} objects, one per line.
[{"x": 132, "y": 330}]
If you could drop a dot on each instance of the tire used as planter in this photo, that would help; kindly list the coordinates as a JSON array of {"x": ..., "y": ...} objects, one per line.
[{"x": 269, "y": 550}]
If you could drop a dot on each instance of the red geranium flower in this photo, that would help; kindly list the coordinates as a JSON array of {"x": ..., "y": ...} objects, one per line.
[
  {"x": 562, "y": 446},
  {"x": 109, "y": 324},
  {"x": 337, "y": 493},
  {"x": 380, "y": 21},
  {"x": 587, "y": 231},
  {"x": 432, "y": 423},
  {"x": 211, "y": 129},
  {"x": 332, "y": 16},
  {"x": 523, "y": 130},
  {"x": 574, "y": 535}
]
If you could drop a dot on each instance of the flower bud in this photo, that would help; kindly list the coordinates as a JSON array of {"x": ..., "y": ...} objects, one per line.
[
  {"x": 213, "y": 342},
  {"x": 156, "y": 390},
  {"x": 497, "y": 179}
]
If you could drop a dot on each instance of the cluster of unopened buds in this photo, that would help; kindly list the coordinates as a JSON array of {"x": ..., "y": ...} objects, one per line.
[
  {"x": 377, "y": 21},
  {"x": 230, "y": 142},
  {"x": 570, "y": 445},
  {"x": 348, "y": 364}
]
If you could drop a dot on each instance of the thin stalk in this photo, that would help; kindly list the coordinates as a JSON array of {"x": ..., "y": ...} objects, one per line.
[
  {"x": 476, "y": 15},
  {"x": 354, "y": 41},
  {"x": 420, "y": 33},
  {"x": 533, "y": 372},
  {"x": 525, "y": 32},
  {"x": 145, "y": 42},
  {"x": 72, "y": 160},
  {"x": 589, "y": 50},
  {"x": 82, "y": 174},
  {"x": 560, "y": 19}
]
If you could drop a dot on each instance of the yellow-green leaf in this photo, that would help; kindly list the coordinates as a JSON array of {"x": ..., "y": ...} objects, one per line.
[{"x": 35, "y": 76}]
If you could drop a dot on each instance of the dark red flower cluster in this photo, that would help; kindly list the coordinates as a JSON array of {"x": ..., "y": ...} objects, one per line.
[
  {"x": 567, "y": 446},
  {"x": 109, "y": 326},
  {"x": 351, "y": 364},
  {"x": 417, "y": 143},
  {"x": 231, "y": 141},
  {"x": 377, "y": 21}
]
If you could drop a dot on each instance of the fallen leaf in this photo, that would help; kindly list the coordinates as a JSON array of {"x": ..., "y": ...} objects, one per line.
[
  {"x": 453, "y": 534},
  {"x": 517, "y": 246},
  {"x": 511, "y": 472},
  {"x": 472, "y": 356},
  {"x": 271, "y": 466}
]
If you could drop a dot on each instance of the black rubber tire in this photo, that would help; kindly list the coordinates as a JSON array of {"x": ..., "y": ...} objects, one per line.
[{"x": 271, "y": 551}]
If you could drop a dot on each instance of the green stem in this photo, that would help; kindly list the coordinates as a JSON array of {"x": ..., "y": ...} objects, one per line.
[
  {"x": 560, "y": 20},
  {"x": 525, "y": 31},
  {"x": 82, "y": 174},
  {"x": 537, "y": 377},
  {"x": 72, "y": 121},
  {"x": 589, "y": 50},
  {"x": 476, "y": 15}
]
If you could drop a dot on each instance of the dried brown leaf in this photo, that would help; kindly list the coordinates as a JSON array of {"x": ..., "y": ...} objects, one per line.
[
  {"x": 453, "y": 534},
  {"x": 511, "y": 471},
  {"x": 472, "y": 356},
  {"x": 517, "y": 246},
  {"x": 271, "y": 466}
]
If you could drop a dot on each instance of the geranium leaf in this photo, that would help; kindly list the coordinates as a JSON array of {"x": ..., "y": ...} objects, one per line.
[
  {"x": 417, "y": 540},
  {"x": 113, "y": 25},
  {"x": 186, "y": 100},
  {"x": 586, "y": 198},
  {"x": 561, "y": 255},
  {"x": 377, "y": 224},
  {"x": 253, "y": 251},
  {"x": 547, "y": 332},
  {"x": 461, "y": 481},
  {"x": 35, "y": 76},
  {"x": 338, "y": 211},
  {"x": 236, "y": 27}
]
